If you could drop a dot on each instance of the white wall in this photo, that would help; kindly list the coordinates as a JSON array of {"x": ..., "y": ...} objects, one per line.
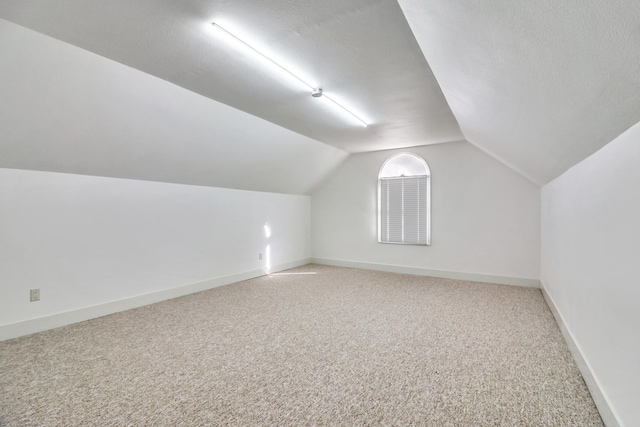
[
  {"x": 589, "y": 266},
  {"x": 485, "y": 217},
  {"x": 97, "y": 245},
  {"x": 86, "y": 241},
  {"x": 63, "y": 109}
]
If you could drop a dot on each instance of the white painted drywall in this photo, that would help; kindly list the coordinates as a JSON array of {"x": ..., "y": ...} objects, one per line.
[
  {"x": 540, "y": 85},
  {"x": 86, "y": 241},
  {"x": 329, "y": 42},
  {"x": 63, "y": 109},
  {"x": 589, "y": 265},
  {"x": 485, "y": 216}
]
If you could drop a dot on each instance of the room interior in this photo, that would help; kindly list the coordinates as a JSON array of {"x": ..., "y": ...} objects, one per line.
[{"x": 144, "y": 156}]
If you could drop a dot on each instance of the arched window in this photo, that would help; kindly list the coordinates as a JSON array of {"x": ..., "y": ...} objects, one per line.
[{"x": 404, "y": 200}]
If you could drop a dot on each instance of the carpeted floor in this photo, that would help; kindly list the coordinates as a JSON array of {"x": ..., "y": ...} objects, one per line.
[{"x": 312, "y": 346}]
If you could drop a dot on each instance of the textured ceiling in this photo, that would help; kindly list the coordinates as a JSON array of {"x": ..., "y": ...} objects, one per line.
[
  {"x": 64, "y": 109},
  {"x": 360, "y": 51},
  {"x": 540, "y": 85}
]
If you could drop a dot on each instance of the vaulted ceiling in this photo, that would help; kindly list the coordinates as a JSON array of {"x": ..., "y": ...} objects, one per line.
[{"x": 539, "y": 85}]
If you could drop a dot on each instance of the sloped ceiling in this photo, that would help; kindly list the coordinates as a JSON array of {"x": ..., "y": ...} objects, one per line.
[
  {"x": 540, "y": 84},
  {"x": 64, "y": 109},
  {"x": 360, "y": 51}
]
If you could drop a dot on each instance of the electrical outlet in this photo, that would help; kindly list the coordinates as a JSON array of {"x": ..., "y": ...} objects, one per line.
[
  {"x": 35, "y": 295},
  {"x": 260, "y": 256}
]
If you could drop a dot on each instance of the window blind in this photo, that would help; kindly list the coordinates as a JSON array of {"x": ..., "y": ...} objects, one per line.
[{"x": 404, "y": 208}]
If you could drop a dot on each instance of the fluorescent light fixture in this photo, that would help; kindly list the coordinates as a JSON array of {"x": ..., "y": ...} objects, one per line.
[
  {"x": 315, "y": 91},
  {"x": 334, "y": 102}
]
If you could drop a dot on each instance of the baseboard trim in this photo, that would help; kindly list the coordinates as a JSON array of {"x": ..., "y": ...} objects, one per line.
[
  {"x": 474, "y": 277},
  {"x": 597, "y": 393},
  {"x": 40, "y": 324}
]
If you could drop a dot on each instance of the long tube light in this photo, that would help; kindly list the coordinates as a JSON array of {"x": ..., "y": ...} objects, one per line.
[{"x": 315, "y": 91}]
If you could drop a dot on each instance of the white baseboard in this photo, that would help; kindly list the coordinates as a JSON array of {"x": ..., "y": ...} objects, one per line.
[
  {"x": 31, "y": 326},
  {"x": 597, "y": 393},
  {"x": 474, "y": 277}
]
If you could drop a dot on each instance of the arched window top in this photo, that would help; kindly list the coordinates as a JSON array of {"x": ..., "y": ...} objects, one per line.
[
  {"x": 404, "y": 164},
  {"x": 404, "y": 200}
]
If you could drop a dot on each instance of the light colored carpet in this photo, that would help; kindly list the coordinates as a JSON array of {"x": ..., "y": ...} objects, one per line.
[{"x": 338, "y": 347}]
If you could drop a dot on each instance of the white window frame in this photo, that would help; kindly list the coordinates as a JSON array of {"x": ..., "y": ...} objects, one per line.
[{"x": 384, "y": 175}]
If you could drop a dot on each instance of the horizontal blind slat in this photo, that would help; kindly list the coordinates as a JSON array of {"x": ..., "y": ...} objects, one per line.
[{"x": 404, "y": 207}]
